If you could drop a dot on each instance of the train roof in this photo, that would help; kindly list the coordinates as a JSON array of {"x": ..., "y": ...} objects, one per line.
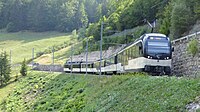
[
  {"x": 145, "y": 36},
  {"x": 142, "y": 38},
  {"x": 94, "y": 56},
  {"x": 155, "y": 34}
]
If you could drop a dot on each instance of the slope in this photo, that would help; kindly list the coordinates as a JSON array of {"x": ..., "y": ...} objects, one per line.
[
  {"x": 22, "y": 43},
  {"x": 41, "y": 91}
]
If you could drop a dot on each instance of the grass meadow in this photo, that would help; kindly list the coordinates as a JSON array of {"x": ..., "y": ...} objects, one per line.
[{"x": 22, "y": 43}]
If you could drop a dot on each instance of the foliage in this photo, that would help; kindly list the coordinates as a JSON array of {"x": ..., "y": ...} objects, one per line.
[
  {"x": 5, "y": 68},
  {"x": 166, "y": 19},
  {"x": 48, "y": 15},
  {"x": 197, "y": 8},
  {"x": 117, "y": 38},
  {"x": 180, "y": 19},
  {"x": 11, "y": 27},
  {"x": 81, "y": 33},
  {"x": 24, "y": 68},
  {"x": 133, "y": 92},
  {"x": 94, "y": 30},
  {"x": 175, "y": 16},
  {"x": 193, "y": 47}
]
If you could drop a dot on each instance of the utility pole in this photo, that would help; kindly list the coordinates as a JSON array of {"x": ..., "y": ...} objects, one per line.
[
  {"x": 53, "y": 55},
  {"x": 153, "y": 25},
  {"x": 71, "y": 58},
  {"x": 33, "y": 56},
  {"x": 101, "y": 47},
  {"x": 10, "y": 56},
  {"x": 125, "y": 36},
  {"x": 87, "y": 56}
]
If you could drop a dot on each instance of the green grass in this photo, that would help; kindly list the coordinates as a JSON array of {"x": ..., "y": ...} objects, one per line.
[
  {"x": 21, "y": 43},
  {"x": 60, "y": 56},
  {"x": 4, "y": 91},
  {"x": 41, "y": 91}
]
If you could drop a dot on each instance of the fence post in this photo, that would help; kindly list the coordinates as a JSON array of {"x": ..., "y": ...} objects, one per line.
[
  {"x": 33, "y": 56},
  {"x": 53, "y": 55}
]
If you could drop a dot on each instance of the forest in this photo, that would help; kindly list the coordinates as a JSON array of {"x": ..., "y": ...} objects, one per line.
[{"x": 175, "y": 17}]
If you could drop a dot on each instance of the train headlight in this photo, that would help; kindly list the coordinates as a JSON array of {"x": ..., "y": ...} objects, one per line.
[
  {"x": 148, "y": 57},
  {"x": 167, "y": 57}
]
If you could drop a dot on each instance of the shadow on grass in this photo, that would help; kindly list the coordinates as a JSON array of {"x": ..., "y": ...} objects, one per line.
[
  {"x": 13, "y": 79},
  {"x": 29, "y": 36}
]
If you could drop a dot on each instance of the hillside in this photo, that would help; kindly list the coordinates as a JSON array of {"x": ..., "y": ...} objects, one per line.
[
  {"x": 42, "y": 25},
  {"x": 22, "y": 43},
  {"x": 41, "y": 91}
]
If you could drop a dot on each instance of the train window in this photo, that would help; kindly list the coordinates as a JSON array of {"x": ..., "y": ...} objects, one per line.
[
  {"x": 129, "y": 54},
  {"x": 137, "y": 52},
  {"x": 103, "y": 63},
  {"x": 126, "y": 61},
  {"x": 132, "y": 52},
  {"x": 141, "y": 49},
  {"x": 90, "y": 66},
  {"x": 76, "y": 66},
  {"x": 120, "y": 58},
  {"x": 124, "y": 58},
  {"x": 96, "y": 65}
]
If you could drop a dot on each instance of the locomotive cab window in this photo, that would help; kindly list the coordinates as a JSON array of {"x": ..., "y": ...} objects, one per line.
[{"x": 158, "y": 47}]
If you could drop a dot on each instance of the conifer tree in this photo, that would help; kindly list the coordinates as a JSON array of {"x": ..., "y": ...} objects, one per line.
[
  {"x": 23, "y": 70},
  {"x": 5, "y": 68}
]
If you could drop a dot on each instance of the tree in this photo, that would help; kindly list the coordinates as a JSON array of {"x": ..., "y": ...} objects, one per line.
[
  {"x": 114, "y": 22},
  {"x": 166, "y": 19},
  {"x": 99, "y": 14},
  {"x": 94, "y": 30},
  {"x": 24, "y": 68},
  {"x": 17, "y": 12},
  {"x": 180, "y": 20},
  {"x": 81, "y": 19},
  {"x": 5, "y": 68},
  {"x": 40, "y": 17},
  {"x": 197, "y": 8},
  {"x": 90, "y": 7}
]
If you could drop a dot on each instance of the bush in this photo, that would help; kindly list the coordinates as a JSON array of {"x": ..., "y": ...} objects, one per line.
[
  {"x": 81, "y": 33},
  {"x": 193, "y": 47},
  {"x": 24, "y": 67}
]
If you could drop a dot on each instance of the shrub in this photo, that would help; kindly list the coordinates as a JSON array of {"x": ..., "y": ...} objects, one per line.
[
  {"x": 193, "y": 47},
  {"x": 23, "y": 70}
]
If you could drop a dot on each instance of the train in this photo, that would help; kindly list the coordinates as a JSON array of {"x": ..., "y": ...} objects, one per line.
[{"x": 151, "y": 53}]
